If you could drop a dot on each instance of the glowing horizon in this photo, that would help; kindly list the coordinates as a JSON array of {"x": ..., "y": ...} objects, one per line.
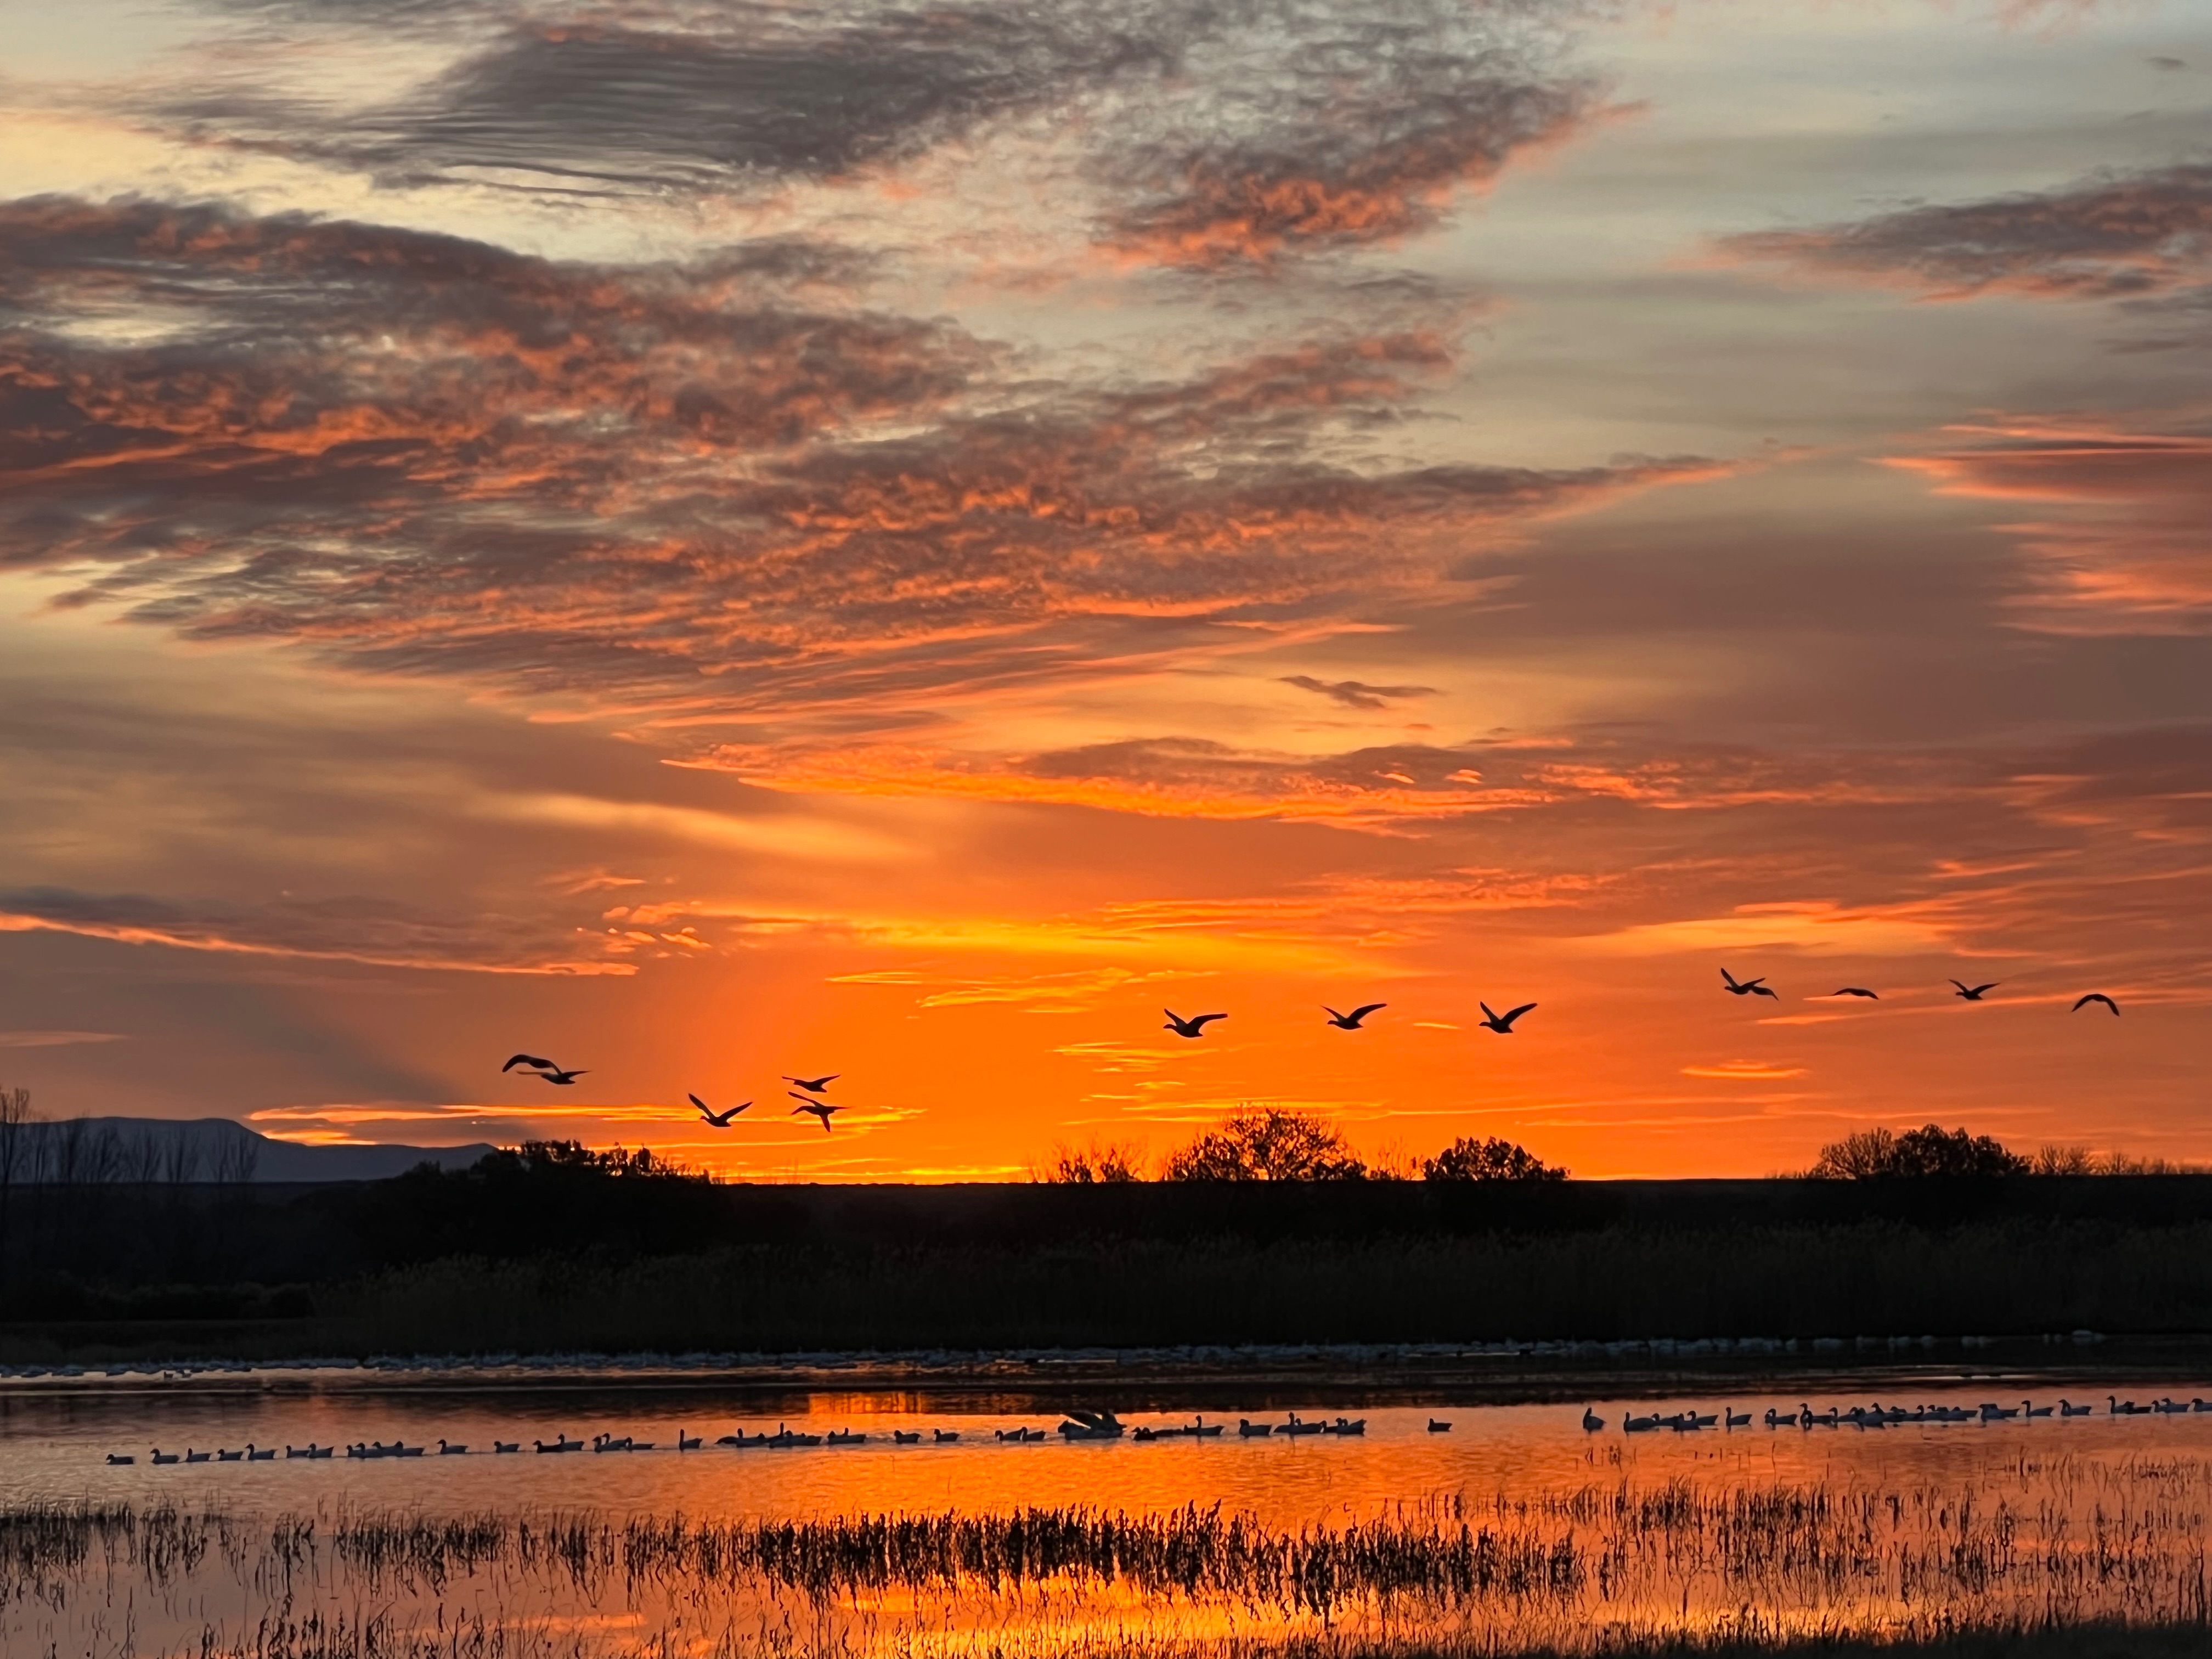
[{"x": 709, "y": 543}]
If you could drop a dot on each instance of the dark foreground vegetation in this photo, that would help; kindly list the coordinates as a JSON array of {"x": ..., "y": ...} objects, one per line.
[
  {"x": 557, "y": 1249},
  {"x": 1670, "y": 1569}
]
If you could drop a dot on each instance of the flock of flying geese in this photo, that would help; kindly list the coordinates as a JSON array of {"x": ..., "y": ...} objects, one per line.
[
  {"x": 810, "y": 1102},
  {"x": 1965, "y": 993},
  {"x": 1879, "y": 1416},
  {"x": 808, "y": 1091}
]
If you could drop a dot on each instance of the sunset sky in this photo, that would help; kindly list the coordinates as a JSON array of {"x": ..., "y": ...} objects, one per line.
[{"x": 707, "y": 541}]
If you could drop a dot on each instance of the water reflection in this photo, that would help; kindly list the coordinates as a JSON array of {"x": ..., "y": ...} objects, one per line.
[{"x": 1516, "y": 1525}]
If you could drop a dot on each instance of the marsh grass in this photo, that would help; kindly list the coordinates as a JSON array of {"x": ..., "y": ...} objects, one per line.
[{"x": 1675, "y": 1568}]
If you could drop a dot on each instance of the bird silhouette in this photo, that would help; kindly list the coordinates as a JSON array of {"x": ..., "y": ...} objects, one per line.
[
  {"x": 1747, "y": 987},
  {"x": 1973, "y": 992},
  {"x": 719, "y": 1119},
  {"x": 544, "y": 1068},
  {"x": 814, "y": 1086},
  {"x": 2097, "y": 996},
  {"x": 1856, "y": 991},
  {"x": 1343, "y": 1021},
  {"x": 1193, "y": 1027},
  {"x": 821, "y": 1109},
  {"x": 1502, "y": 1023}
]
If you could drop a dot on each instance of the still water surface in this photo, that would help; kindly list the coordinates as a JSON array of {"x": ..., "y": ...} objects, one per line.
[{"x": 1516, "y": 1524}]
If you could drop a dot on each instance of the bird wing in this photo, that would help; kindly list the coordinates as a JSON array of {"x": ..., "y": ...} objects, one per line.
[
  {"x": 1759, "y": 990},
  {"x": 1365, "y": 1008},
  {"x": 1991, "y": 986},
  {"x": 700, "y": 1103},
  {"x": 529, "y": 1060},
  {"x": 1334, "y": 1017},
  {"x": 2096, "y": 996},
  {"x": 1198, "y": 1021},
  {"x": 1727, "y": 978},
  {"x": 560, "y": 1076},
  {"x": 1512, "y": 1014},
  {"x": 1961, "y": 984}
]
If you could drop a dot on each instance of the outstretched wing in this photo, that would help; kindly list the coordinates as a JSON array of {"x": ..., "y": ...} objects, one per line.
[
  {"x": 2096, "y": 996},
  {"x": 1757, "y": 989},
  {"x": 1512, "y": 1014},
  {"x": 1991, "y": 986},
  {"x": 701, "y": 1105},
  {"x": 1198, "y": 1022},
  {"x": 530, "y": 1059},
  {"x": 1365, "y": 1008}
]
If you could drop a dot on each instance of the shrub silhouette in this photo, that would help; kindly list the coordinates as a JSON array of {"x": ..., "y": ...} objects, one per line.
[
  {"x": 1929, "y": 1150},
  {"x": 1273, "y": 1145},
  {"x": 1470, "y": 1159}
]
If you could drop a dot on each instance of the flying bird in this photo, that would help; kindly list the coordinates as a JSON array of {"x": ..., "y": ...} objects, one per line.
[
  {"x": 1856, "y": 991},
  {"x": 1502, "y": 1023},
  {"x": 719, "y": 1119},
  {"x": 821, "y": 1109},
  {"x": 814, "y": 1086},
  {"x": 1747, "y": 987},
  {"x": 2097, "y": 996},
  {"x": 1973, "y": 992},
  {"x": 544, "y": 1068},
  {"x": 1343, "y": 1021},
  {"x": 1193, "y": 1027}
]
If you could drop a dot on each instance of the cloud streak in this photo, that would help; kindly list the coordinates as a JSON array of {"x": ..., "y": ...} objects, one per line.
[
  {"x": 679, "y": 490},
  {"x": 2118, "y": 235}
]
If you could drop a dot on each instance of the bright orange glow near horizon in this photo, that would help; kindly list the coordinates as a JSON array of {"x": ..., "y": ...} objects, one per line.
[{"x": 713, "y": 546}]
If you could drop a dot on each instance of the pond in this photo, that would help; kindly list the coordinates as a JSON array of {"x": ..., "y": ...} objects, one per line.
[{"x": 1516, "y": 1525}]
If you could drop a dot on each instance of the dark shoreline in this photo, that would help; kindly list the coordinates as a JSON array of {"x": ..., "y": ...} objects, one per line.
[{"x": 1139, "y": 1379}]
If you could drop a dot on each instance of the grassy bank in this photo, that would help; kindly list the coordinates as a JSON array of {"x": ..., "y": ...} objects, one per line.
[{"x": 444, "y": 1266}]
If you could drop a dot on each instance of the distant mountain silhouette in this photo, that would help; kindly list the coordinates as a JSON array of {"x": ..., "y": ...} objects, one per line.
[{"x": 116, "y": 1150}]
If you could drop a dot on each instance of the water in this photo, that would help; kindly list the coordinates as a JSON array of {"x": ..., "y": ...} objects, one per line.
[{"x": 1382, "y": 1536}]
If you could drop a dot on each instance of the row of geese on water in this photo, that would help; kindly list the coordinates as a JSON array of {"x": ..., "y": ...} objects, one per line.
[
  {"x": 1879, "y": 1416},
  {"x": 1079, "y": 1425}
]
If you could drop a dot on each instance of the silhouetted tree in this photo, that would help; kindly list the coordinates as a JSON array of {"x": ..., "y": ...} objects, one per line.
[
  {"x": 1101, "y": 1163},
  {"x": 1470, "y": 1159},
  {"x": 1273, "y": 1145},
  {"x": 1929, "y": 1150}
]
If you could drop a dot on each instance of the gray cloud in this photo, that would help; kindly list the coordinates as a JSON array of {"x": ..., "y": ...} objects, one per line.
[
  {"x": 2113, "y": 236},
  {"x": 673, "y": 485},
  {"x": 1353, "y": 693},
  {"x": 1216, "y": 133},
  {"x": 370, "y": 933}
]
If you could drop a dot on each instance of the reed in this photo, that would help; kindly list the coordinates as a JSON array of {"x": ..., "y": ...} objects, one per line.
[{"x": 1678, "y": 1568}]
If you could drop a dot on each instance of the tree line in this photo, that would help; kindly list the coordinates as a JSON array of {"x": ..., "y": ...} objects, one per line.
[{"x": 1273, "y": 1144}]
